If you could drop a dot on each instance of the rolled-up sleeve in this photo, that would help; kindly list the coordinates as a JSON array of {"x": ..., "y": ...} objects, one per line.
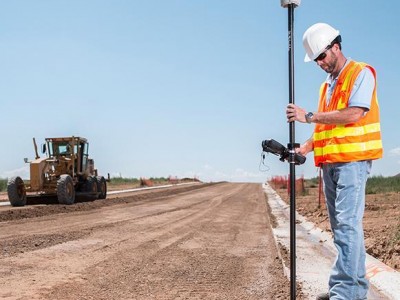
[{"x": 363, "y": 88}]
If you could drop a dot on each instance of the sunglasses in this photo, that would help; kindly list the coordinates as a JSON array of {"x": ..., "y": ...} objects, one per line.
[{"x": 323, "y": 54}]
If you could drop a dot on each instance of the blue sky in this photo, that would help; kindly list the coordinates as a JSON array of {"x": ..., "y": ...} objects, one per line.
[{"x": 181, "y": 88}]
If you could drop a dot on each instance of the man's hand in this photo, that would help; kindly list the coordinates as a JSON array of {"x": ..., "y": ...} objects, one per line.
[
  {"x": 295, "y": 113},
  {"x": 305, "y": 148}
]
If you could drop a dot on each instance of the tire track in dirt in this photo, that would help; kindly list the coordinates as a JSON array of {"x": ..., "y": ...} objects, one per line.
[
  {"x": 13, "y": 245},
  {"x": 210, "y": 243}
]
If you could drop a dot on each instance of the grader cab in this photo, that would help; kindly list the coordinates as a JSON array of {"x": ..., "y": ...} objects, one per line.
[{"x": 65, "y": 172}]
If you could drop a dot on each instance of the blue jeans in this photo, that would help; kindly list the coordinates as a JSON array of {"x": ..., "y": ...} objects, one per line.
[{"x": 344, "y": 187}]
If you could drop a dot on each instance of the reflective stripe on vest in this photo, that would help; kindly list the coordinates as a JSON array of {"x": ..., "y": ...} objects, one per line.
[
  {"x": 342, "y": 131},
  {"x": 349, "y": 142},
  {"x": 353, "y": 147}
]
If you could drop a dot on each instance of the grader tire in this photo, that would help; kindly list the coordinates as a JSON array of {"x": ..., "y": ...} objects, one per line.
[
  {"x": 65, "y": 190},
  {"x": 102, "y": 187},
  {"x": 91, "y": 187},
  {"x": 16, "y": 191}
]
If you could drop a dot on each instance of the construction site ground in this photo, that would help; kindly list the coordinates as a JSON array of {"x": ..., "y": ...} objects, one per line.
[
  {"x": 381, "y": 220},
  {"x": 199, "y": 241}
]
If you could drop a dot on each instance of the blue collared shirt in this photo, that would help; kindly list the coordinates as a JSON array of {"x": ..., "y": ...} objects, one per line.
[{"x": 361, "y": 93}]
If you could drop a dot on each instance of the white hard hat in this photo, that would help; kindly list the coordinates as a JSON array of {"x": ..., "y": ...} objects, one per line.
[{"x": 317, "y": 38}]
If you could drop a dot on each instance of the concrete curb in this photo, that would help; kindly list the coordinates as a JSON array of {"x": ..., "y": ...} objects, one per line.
[{"x": 315, "y": 254}]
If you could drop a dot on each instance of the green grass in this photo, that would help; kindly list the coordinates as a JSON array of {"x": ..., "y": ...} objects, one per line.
[
  {"x": 3, "y": 185},
  {"x": 159, "y": 179},
  {"x": 121, "y": 180},
  {"x": 380, "y": 184},
  {"x": 134, "y": 181},
  {"x": 313, "y": 182},
  {"x": 375, "y": 184}
]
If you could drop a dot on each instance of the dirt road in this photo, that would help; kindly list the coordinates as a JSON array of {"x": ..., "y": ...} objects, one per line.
[{"x": 207, "y": 241}]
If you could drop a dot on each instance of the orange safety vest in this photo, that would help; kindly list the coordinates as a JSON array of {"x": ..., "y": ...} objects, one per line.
[{"x": 347, "y": 142}]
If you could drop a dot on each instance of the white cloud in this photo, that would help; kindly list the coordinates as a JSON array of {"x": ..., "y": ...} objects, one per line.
[
  {"x": 21, "y": 172},
  {"x": 209, "y": 173},
  {"x": 207, "y": 167},
  {"x": 243, "y": 173},
  {"x": 395, "y": 151}
]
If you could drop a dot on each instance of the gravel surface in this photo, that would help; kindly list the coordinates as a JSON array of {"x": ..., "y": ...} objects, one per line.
[{"x": 203, "y": 241}]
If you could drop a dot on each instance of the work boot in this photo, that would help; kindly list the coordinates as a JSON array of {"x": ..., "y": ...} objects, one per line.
[{"x": 324, "y": 296}]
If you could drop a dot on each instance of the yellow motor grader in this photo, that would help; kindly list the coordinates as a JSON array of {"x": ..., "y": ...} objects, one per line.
[{"x": 65, "y": 172}]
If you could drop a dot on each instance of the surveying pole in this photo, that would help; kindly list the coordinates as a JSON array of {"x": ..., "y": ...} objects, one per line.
[{"x": 290, "y": 5}]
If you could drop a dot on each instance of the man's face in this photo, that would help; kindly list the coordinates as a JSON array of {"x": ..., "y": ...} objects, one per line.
[{"x": 329, "y": 63}]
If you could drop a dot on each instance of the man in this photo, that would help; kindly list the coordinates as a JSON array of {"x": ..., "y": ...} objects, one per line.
[{"x": 345, "y": 141}]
